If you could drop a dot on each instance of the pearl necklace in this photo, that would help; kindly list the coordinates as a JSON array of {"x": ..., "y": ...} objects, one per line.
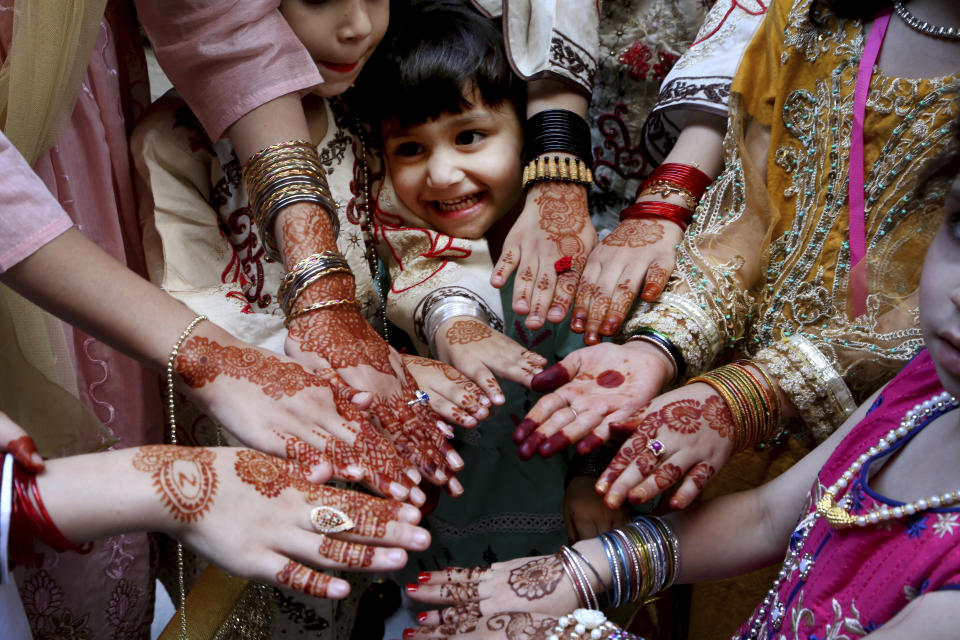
[
  {"x": 841, "y": 518},
  {"x": 803, "y": 563},
  {"x": 915, "y": 23}
]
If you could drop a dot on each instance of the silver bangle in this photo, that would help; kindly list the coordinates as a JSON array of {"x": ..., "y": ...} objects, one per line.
[
  {"x": 319, "y": 266},
  {"x": 451, "y": 308}
]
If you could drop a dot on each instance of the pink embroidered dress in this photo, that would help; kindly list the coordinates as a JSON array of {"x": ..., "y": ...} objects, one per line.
[{"x": 841, "y": 583}]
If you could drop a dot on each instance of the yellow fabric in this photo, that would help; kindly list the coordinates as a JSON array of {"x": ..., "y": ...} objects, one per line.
[{"x": 40, "y": 78}]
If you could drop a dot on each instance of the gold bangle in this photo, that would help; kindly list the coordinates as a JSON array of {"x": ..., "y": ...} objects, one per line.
[
  {"x": 316, "y": 306},
  {"x": 556, "y": 169}
]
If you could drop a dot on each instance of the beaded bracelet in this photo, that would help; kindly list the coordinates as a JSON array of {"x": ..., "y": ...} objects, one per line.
[
  {"x": 556, "y": 169},
  {"x": 652, "y": 209}
]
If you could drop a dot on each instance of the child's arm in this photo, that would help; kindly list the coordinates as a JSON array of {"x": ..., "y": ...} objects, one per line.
[
  {"x": 932, "y": 616},
  {"x": 483, "y": 355},
  {"x": 452, "y": 395}
]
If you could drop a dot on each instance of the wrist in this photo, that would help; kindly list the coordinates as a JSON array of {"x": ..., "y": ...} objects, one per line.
[{"x": 666, "y": 370}]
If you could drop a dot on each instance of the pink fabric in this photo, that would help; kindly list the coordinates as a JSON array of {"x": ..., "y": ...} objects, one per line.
[
  {"x": 29, "y": 216},
  {"x": 860, "y": 578},
  {"x": 227, "y": 57},
  {"x": 108, "y": 593},
  {"x": 857, "y": 208}
]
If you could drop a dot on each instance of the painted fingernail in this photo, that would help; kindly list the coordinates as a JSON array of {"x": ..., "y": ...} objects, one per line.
[
  {"x": 423, "y": 576},
  {"x": 550, "y": 378},
  {"x": 614, "y": 500},
  {"x": 24, "y": 451},
  {"x": 412, "y": 587},
  {"x": 524, "y": 429},
  {"x": 588, "y": 444},
  {"x": 422, "y": 617},
  {"x": 530, "y": 446},
  {"x": 601, "y": 487},
  {"x": 409, "y": 633},
  {"x": 554, "y": 443}
]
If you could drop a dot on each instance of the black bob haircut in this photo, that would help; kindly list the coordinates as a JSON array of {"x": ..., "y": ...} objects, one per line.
[{"x": 437, "y": 54}]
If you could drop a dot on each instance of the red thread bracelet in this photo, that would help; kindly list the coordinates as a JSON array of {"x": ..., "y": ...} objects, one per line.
[
  {"x": 29, "y": 519},
  {"x": 676, "y": 214}
]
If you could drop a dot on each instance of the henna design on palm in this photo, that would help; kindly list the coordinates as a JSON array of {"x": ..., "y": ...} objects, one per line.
[
  {"x": 536, "y": 579},
  {"x": 184, "y": 477}
]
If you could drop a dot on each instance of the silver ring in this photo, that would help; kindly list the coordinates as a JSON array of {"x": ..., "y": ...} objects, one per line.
[
  {"x": 655, "y": 447},
  {"x": 575, "y": 414},
  {"x": 330, "y": 520},
  {"x": 422, "y": 398}
]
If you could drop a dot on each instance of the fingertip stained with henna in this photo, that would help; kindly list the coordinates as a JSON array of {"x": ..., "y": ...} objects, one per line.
[
  {"x": 588, "y": 444},
  {"x": 550, "y": 378}
]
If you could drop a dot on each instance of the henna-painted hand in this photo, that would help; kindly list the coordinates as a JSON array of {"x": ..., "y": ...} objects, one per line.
[
  {"x": 452, "y": 394},
  {"x": 525, "y": 584},
  {"x": 273, "y": 404},
  {"x": 638, "y": 252},
  {"x": 249, "y": 513},
  {"x": 587, "y": 386},
  {"x": 555, "y": 222},
  {"x": 512, "y": 625},
  {"x": 341, "y": 339},
  {"x": 483, "y": 355},
  {"x": 585, "y": 513},
  {"x": 15, "y": 441},
  {"x": 696, "y": 429}
]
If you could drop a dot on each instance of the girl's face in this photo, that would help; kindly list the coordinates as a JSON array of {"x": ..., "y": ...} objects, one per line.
[
  {"x": 340, "y": 36},
  {"x": 940, "y": 296}
]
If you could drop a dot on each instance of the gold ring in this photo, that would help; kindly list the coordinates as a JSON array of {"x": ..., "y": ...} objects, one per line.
[{"x": 329, "y": 520}]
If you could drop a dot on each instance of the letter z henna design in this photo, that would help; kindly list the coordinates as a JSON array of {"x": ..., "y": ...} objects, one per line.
[{"x": 185, "y": 478}]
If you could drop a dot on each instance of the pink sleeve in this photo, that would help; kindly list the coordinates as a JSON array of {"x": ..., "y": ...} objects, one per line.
[
  {"x": 30, "y": 216},
  {"x": 226, "y": 57}
]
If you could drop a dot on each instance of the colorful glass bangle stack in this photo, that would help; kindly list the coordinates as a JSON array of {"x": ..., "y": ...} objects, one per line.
[
  {"x": 30, "y": 521},
  {"x": 557, "y": 169},
  {"x": 282, "y": 175},
  {"x": 305, "y": 273},
  {"x": 755, "y": 406},
  {"x": 664, "y": 344}
]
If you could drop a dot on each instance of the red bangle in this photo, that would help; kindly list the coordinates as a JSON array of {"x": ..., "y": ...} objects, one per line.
[
  {"x": 682, "y": 175},
  {"x": 29, "y": 519},
  {"x": 680, "y": 216}
]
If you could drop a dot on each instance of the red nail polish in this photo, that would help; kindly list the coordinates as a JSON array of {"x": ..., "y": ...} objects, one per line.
[
  {"x": 22, "y": 449},
  {"x": 412, "y": 587},
  {"x": 550, "y": 378},
  {"x": 422, "y": 577},
  {"x": 524, "y": 429},
  {"x": 554, "y": 443},
  {"x": 409, "y": 633},
  {"x": 588, "y": 444},
  {"x": 422, "y": 617}
]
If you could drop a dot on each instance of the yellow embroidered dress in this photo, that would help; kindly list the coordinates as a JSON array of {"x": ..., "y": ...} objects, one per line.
[{"x": 764, "y": 268}]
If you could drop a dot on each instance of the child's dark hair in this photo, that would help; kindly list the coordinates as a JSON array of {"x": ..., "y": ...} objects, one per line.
[
  {"x": 436, "y": 54},
  {"x": 850, "y": 9}
]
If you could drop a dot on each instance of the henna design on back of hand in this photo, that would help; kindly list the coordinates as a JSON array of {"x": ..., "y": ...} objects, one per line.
[
  {"x": 635, "y": 234},
  {"x": 185, "y": 478},
  {"x": 536, "y": 579},
  {"x": 467, "y": 331},
  {"x": 522, "y": 626}
]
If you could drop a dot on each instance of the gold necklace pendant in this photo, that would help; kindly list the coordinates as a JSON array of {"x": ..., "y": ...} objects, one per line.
[{"x": 834, "y": 514}]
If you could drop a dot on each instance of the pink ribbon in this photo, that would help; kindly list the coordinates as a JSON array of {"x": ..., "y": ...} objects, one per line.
[{"x": 858, "y": 244}]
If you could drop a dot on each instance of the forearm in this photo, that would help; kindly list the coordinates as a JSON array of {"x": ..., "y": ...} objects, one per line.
[
  {"x": 97, "y": 495},
  {"x": 552, "y": 94},
  {"x": 279, "y": 120},
  {"x": 75, "y": 280}
]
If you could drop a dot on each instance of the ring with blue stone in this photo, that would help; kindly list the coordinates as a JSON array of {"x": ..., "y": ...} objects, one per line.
[{"x": 422, "y": 398}]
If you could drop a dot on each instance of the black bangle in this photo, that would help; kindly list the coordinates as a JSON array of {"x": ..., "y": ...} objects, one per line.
[
  {"x": 666, "y": 343},
  {"x": 557, "y": 130}
]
